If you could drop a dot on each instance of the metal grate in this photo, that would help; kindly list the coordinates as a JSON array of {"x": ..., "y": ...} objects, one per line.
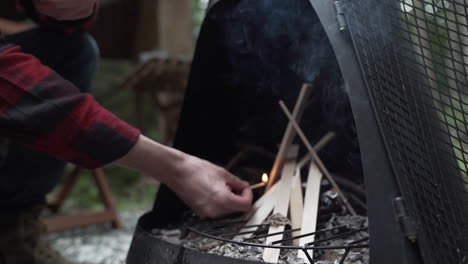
[
  {"x": 414, "y": 57},
  {"x": 226, "y": 231}
]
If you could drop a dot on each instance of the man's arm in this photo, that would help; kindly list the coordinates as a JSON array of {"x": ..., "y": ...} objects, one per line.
[
  {"x": 208, "y": 189},
  {"x": 48, "y": 113},
  {"x": 41, "y": 109}
]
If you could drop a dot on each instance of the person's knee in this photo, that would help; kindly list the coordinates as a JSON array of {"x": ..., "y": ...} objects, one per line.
[
  {"x": 86, "y": 48},
  {"x": 82, "y": 59}
]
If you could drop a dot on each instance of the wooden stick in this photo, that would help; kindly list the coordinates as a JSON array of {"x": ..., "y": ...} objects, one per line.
[
  {"x": 311, "y": 204},
  {"x": 260, "y": 211},
  {"x": 321, "y": 144},
  {"x": 296, "y": 205},
  {"x": 258, "y": 185},
  {"x": 269, "y": 195},
  {"x": 289, "y": 134},
  {"x": 271, "y": 255},
  {"x": 317, "y": 158},
  {"x": 296, "y": 202}
]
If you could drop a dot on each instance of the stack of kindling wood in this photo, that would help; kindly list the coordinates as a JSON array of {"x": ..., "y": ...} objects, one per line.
[{"x": 284, "y": 193}]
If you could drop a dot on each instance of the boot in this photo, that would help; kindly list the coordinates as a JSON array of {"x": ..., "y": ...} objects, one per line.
[{"x": 20, "y": 241}]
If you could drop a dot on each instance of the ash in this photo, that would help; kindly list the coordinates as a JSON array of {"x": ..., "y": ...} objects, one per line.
[{"x": 287, "y": 256}]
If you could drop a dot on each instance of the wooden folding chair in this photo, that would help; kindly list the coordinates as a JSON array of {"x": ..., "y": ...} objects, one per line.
[
  {"x": 61, "y": 223},
  {"x": 163, "y": 78}
]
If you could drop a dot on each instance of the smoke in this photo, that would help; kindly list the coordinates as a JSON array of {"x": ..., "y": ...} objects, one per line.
[{"x": 250, "y": 55}]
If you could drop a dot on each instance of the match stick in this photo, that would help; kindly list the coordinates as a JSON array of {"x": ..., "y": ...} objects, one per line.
[
  {"x": 316, "y": 158},
  {"x": 263, "y": 183},
  {"x": 258, "y": 185}
]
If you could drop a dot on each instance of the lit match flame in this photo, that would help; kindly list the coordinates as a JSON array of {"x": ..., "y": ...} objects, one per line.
[
  {"x": 265, "y": 178},
  {"x": 261, "y": 184}
]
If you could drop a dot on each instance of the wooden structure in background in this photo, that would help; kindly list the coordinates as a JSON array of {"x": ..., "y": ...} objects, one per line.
[
  {"x": 61, "y": 223},
  {"x": 163, "y": 79},
  {"x": 115, "y": 28},
  {"x": 165, "y": 25},
  {"x": 125, "y": 28},
  {"x": 164, "y": 44}
]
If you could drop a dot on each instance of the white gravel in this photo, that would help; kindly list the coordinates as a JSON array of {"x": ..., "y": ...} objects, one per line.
[{"x": 99, "y": 244}]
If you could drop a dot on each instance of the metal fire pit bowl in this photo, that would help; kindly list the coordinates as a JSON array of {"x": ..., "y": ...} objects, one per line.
[
  {"x": 147, "y": 248},
  {"x": 153, "y": 249}
]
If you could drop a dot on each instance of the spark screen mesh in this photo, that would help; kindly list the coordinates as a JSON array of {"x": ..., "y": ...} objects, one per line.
[{"x": 414, "y": 58}]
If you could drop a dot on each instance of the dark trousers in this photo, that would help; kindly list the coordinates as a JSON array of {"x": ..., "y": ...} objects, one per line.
[{"x": 27, "y": 176}]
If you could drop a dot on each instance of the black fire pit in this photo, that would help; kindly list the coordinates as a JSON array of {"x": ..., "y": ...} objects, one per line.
[
  {"x": 225, "y": 231},
  {"x": 147, "y": 248},
  {"x": 390, "y": 73}
]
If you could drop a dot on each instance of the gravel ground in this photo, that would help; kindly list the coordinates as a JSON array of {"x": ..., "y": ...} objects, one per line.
[{"x": 99, "y": 244}]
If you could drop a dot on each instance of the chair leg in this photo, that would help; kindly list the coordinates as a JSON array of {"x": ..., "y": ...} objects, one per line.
[
  {"x": 106, "y": 197},
  {"x": 62, "y": 223},
  {"x": 65, "y": 191}
]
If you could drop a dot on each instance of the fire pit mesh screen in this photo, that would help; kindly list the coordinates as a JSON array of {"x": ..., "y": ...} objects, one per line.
[{"x": 414, "y": 58}]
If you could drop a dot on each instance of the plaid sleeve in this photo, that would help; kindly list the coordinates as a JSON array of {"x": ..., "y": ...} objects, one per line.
[
  {"x": 41, "y": 109},
  {"x": 66, "y": 26}
]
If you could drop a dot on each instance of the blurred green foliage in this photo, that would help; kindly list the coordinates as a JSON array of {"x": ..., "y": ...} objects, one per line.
[
  {"x": 453, "y": 100},
  {"x": 199, "y": 8}
]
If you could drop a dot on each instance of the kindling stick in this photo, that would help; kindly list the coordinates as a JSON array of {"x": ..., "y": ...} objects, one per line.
[
  {"x": 311, "y": 205},
  {"x": 289, "y": 134},
  {"x": 296, "y": 202},
  {"x": 296, "y": 205},
  {"x": 260, "y": 211},
  {"x": 271, "y": 255},
  {"x": 316, "y": 158},
  {"x": 322, "y": 143}
]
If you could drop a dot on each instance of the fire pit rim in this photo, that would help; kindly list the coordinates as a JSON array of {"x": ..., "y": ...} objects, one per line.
[{"x": 166, "y": 252}]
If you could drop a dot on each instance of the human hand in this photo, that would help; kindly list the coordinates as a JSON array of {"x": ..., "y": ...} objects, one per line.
[
  {"x": 210, "y": 190},
  {"x": 65, "y": 9}
]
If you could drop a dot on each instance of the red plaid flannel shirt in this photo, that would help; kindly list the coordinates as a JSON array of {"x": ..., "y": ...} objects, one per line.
[{"x": 41, "y": 109}]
